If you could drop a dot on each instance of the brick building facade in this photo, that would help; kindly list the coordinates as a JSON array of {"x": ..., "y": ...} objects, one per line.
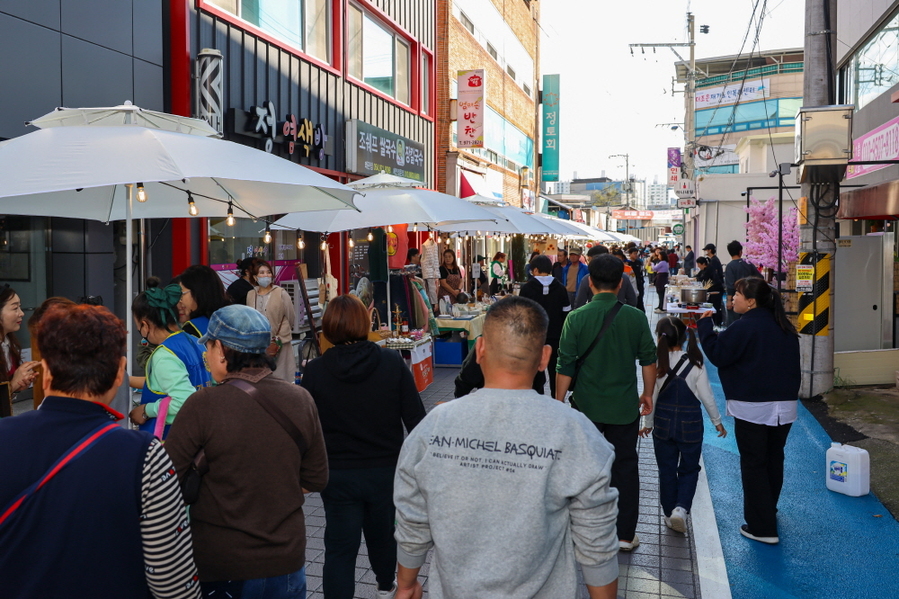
[{"x": 501, "y": 37}]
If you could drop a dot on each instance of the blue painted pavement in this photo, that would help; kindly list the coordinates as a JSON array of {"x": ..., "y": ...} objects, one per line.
[{"x": 831, "y": 545}]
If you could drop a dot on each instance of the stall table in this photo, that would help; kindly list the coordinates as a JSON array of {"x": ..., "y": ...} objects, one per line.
[
  {"x": 451, "y": 352},
  {"x": 419, "y": 358},
  {"x": 688, "y": 315}
]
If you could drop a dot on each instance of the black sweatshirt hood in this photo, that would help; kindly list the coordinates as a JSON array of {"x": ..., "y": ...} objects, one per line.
[{"x": 353, "y": 363}]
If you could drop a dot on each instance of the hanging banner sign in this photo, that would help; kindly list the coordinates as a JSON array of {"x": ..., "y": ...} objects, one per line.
[
  {"x": 470, "y": 108},
  {"x": 371, "y": 150},
  {"x": 632, "y": 214},
  {"x": 550, "y": 128},
  {"x": 739, "y": 91},
  {"x": 881, "y": 143}
]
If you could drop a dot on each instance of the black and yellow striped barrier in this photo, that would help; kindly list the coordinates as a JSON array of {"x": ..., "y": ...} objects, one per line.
[{"x": 814, "y": 305}]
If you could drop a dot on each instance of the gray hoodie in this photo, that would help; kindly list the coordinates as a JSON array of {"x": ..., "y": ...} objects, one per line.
[{"x": 510, "y": 488}]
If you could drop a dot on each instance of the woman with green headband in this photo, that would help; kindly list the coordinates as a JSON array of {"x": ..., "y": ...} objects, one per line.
[{"x": 175, "y": 368}]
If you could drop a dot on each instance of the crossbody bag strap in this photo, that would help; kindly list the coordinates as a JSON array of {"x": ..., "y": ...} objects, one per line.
[
  {"x": 274, "y": 411},
  {"x": 606, "y": 323},
  {"x": 74, "y": 452}
]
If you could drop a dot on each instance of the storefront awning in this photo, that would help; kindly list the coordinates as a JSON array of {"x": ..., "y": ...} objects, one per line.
[{"x": 877, "y": 202}]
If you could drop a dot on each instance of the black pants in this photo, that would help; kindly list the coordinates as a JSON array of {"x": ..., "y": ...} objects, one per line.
[
  {"x": 550, "y": 372},
  {"x": 661, "y": 281},
  {"x": 762, "y": 469},
  {"x": 716, "y": 300},
  {"x": 358, "y": 501},
  {"x": 625, "y": 474}
]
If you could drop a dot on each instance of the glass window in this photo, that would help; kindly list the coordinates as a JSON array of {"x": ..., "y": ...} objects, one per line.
[
  {"x": 466, "y": 22},
  {"x": 511, "y": 71},
  {"x": 492, "y": 51},
  {"x": 425, "y": 83},
  {"x": 304, "y": 24},
  {"x": 377, "y": 56},
  {"x": 875, "y": 67},
  {"x": 402, "y": 71}
]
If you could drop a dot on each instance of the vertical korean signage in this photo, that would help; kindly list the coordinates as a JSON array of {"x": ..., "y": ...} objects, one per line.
[
  {"x": 674, "y": 164},
  {"x": 550, "y": 128},
  {"x": 470, "y": 109}
]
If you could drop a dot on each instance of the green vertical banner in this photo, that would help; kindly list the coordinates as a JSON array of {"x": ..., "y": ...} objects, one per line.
[{"x": 550, "y": 161}]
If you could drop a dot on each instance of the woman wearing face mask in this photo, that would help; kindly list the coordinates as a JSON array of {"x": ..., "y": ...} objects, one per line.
[
  {"x": 175, "y": 368},
  {"x": 275, "y": 303},
  {"x": 19, "y": 374},
  {"x": 202, "y": 293}
]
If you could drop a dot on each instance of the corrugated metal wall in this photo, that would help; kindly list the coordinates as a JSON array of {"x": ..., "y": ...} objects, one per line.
[{"x": 256, "y": 71}]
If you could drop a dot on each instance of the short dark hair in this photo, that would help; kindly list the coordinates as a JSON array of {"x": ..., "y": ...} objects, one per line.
[
  {"x": 235, "y": 361},
  {"x": 688, "y": 247},
  {"x": 597, "y": 250},
  {"x": 207, "y": 289},
  {"x": 346, "y": 320},
  {"x": 82, "y": 346},
  {"x": 245, "y": 266},
  {"x": 734, "y": 248},
  {"x": 563, "y": 250},
  {"x": 541, "y": 263},
  {"x": 633, "y": 250},
  {"x": 519, "y": 323},
  {"x": 606, "y": 271},
  {"x": 412, "y": 252}
]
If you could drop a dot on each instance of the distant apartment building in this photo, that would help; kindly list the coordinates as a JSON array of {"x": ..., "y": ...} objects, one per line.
[
  {"x": 500, "y": 37},
  {"x": 657, "y": 194}
]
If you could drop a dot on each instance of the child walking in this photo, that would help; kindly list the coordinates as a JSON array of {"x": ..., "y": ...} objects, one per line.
[{"x": 676, "y": 419}]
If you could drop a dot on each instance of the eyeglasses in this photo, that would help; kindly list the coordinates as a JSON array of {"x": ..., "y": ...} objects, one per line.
[{"x": 183, "y": 293}]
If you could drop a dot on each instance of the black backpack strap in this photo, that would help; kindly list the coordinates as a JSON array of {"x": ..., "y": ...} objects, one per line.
[{"x": 672, "y": 373}]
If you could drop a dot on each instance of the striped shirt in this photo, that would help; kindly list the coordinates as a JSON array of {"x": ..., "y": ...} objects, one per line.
[{"x": 165, "y": 530}]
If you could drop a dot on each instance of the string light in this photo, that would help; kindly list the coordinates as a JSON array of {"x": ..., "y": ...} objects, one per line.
[
  {"x": 390, "y": 228},
  {"x": 301, "y": 244},
  {"x": 141, "y": 193},
  {"x": 351, "y": 243},
  {"x": 267, "y": 238},
  {"x": 191, "y": 207},
  {"x": 324, "y": 244},
  {"x": 230, "y": 220},
  {"x": 371, "y": 236},
  {"x": 415, "y": 228}
]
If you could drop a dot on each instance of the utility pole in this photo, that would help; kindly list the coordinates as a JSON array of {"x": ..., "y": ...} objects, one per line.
[
  {"x": 821, "y": 187},
  {"x": 627, "y": 184},
  {"x": 689, "y": 163}
]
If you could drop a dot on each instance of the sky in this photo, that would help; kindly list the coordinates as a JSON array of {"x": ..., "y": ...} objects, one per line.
[{"x": 612, "y": 102}]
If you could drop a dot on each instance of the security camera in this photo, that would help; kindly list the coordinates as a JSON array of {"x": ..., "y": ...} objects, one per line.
[{"x": 773, "y": 173}]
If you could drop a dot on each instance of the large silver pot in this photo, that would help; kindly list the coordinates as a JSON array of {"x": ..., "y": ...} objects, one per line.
[{"x": 694, "y": 296}]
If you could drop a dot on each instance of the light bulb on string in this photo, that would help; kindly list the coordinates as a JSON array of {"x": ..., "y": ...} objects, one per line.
[
  {"x": 390, "y": 228},
  {"x": 324, "y": 245},
  {"x": 230, "y": 220},
  {"x": 141, "y": 193},
  {"x": 267, "y": 238},
  {"x": 351, "y": 243},
  {"x": 191, "y": 207},
  {"x": 371, "y": 236},
  {"x": 301, "y": 244},
  {"x": 415, "y": 228}
]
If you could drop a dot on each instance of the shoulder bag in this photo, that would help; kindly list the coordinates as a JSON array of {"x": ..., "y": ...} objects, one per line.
[
  {"x": 190, "y": 486},
  {"x": 606, "y": 323}
]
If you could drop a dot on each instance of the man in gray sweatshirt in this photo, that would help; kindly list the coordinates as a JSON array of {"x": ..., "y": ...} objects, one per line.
[{"x": 510, "y": 488}]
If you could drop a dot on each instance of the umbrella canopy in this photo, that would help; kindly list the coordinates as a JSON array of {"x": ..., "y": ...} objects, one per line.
[
  {"x": 126, "y": 114},
  {"x": 562, "y": 227},
  {"x": 593, "y": 232},
  {"x": 509, "y": 220},
  {"x": 382, "y": 207},
  {"x": 382, "y": 179},
  {"x": 81, "y": 172}
]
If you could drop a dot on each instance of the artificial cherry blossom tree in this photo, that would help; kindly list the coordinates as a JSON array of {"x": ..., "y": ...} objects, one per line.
[{"x": 761, "y": 235}]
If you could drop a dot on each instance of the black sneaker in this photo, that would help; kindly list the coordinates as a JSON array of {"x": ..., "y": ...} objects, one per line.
[{"x": 744, "y": 530}]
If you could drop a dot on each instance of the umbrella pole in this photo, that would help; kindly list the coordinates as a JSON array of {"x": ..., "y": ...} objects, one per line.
[
  {"x": 389, "y": 313},
  {"x": 129, "y": 284}
]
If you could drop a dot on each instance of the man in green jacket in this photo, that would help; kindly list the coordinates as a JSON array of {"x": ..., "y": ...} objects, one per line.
[{"x": 607, "y": 384}]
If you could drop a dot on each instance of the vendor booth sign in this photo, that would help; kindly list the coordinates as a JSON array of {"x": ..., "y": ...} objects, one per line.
[{"x": 422, "y": 366}]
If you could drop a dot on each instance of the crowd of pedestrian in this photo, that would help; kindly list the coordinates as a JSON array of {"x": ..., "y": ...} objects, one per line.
[{"x": 243, "y": 445}]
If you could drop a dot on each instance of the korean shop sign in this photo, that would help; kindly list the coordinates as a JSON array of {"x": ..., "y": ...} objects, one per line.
[
  {"x": 550, "y": 128},
  {"x": 470, "y": 108},
  {"x": 371, "y": 150},
  {"x": 297, "y": 135}
]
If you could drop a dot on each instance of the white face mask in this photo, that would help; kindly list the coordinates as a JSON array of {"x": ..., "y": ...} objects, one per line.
[{"x": 264, "y": 281}]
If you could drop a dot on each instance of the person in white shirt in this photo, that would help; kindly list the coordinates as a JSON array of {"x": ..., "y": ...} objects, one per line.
[{"x": 676, "y": 419}]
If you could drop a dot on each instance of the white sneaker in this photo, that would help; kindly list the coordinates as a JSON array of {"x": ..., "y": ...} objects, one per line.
[
  {"x": 388, "y": 594},
  {"x": 629, "y": 546},
  {"x": 678, "y": 520}
]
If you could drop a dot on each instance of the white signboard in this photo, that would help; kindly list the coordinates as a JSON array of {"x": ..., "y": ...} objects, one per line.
[
  {"x": 470, "y": 109},
  {"x": 685, "y": 189},
  {"x": 673, "y": 176},
  {"x": 686, "y": 203},
  {"x": 738, "y": 91}
]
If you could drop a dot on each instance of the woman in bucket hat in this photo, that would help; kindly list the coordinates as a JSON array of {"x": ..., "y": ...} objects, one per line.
[{"x": 264, "y": 448}]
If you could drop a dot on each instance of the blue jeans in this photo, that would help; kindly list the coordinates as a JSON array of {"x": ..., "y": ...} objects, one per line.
[
  {"x": 678, "y": 472},
  {"x": 358, "y": 501},
  {"x": 288, "y": 586}
]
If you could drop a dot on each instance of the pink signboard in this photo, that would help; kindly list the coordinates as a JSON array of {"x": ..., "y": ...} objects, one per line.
[{"x": 881, "y": 143}]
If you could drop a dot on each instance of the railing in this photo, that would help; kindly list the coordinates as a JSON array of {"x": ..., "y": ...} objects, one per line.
[{"x": 770, "y": 69}]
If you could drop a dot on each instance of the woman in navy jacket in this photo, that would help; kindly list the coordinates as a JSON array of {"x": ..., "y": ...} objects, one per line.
[{"x": 758, "y": 363}]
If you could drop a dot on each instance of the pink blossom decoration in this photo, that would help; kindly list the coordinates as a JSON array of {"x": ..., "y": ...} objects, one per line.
[{"x": 761, "y": 235}]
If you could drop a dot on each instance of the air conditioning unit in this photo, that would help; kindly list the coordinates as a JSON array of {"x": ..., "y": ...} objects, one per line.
[{"x": 301, "y": 324}]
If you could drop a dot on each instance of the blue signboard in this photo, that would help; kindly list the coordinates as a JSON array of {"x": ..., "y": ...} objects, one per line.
[{"x": 550, "y": 128}]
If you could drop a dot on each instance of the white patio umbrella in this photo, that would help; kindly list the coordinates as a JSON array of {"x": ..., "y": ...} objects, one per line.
[
  {"x": 383, "y": 179},
  {"x": 91, "y": 172},
  {"x": 509, "y": 220},
  {"x": 594, "y": 233},
  {"x": 382, "y": 207},
  {"x": 124, "y": 114},
  {"x": 562, "y": 227}
]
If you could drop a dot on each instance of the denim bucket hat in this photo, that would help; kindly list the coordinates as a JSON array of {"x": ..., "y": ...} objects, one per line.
[{"x": 240, "y": 328}]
